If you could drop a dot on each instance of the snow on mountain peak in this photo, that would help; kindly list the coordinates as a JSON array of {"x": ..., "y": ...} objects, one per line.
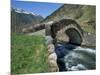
[{"x": 25, "y": 12}]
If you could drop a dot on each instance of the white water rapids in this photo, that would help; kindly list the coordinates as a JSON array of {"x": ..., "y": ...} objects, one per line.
[{"x": 73, "y": 58}]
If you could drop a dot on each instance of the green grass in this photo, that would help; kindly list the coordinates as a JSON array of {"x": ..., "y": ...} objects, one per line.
[{"x": 28, "y": 54}]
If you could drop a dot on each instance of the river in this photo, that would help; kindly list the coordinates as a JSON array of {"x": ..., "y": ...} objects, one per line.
[{"x": 74, "y": 58}]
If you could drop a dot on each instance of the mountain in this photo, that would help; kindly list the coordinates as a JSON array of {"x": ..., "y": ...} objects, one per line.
[
  {"x": 85, "y": 15},
  {"x": 21, "y": 19}
]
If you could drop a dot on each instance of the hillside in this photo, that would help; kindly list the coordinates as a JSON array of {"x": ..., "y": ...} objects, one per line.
[
  {"x": 21, "y": 18},
  {"x": 83, "y": 14}
]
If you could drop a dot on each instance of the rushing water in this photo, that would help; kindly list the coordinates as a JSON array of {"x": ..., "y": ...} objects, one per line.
[{"x": 72, "y": 58}]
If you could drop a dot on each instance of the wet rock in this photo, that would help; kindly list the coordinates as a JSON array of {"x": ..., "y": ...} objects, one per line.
[{"x": 62, "y": 49}]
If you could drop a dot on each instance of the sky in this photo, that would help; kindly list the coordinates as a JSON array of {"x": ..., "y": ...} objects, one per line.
[{"x": 40, "y": 8}]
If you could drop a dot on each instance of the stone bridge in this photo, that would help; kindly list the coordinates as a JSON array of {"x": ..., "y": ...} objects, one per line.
[{"x": 65, "y": 30}]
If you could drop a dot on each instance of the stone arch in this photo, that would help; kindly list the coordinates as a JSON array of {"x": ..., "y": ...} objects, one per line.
[{"x": 71, "y": 28}]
